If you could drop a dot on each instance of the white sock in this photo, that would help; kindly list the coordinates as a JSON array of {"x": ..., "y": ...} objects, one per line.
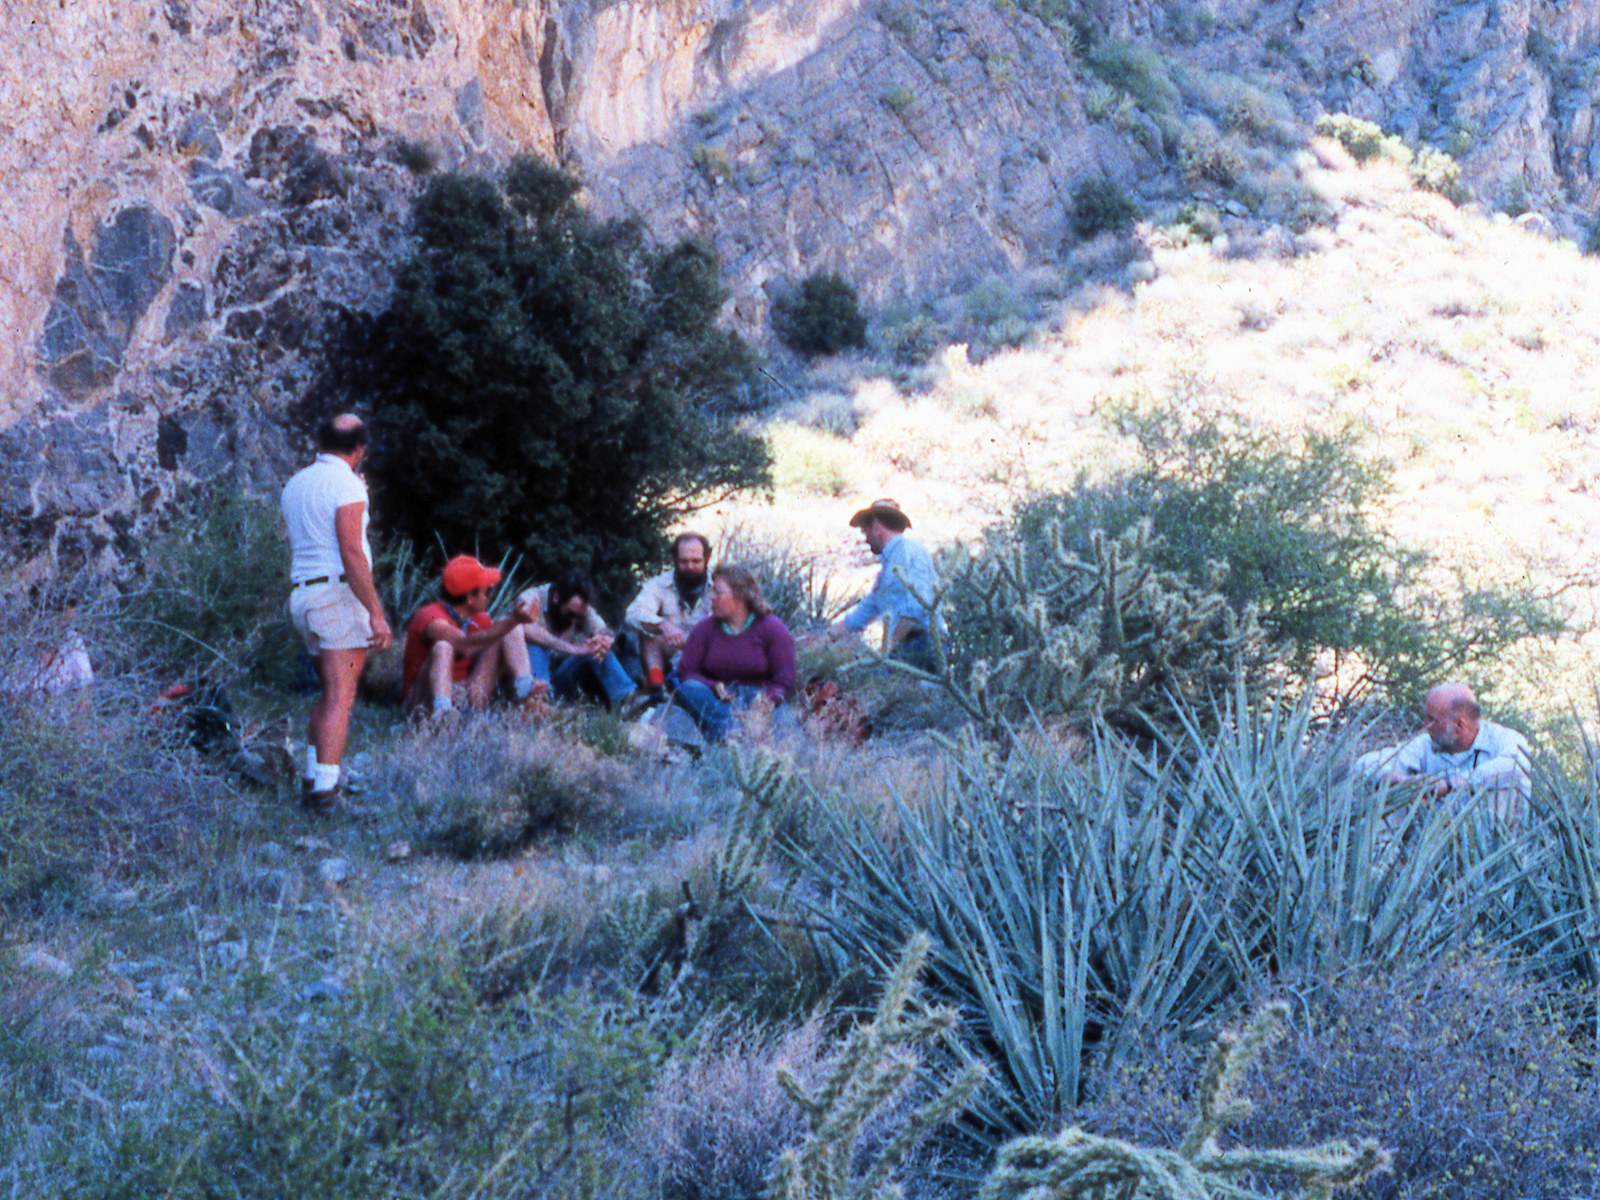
[
  {"x": 326, "y": 778},
  {"x": 311, "y": 762},
  {"x": 522, "y": 687},
  {"x": 441, "y": 704}
]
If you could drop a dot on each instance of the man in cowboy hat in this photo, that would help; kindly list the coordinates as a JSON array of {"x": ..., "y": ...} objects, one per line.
[
  {"x": 903, "y": 592},
  {"x": 455, "y": 652}
]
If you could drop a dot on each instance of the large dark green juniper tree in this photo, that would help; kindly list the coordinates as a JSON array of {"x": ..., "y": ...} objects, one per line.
[{"x": 550, "y": 384}]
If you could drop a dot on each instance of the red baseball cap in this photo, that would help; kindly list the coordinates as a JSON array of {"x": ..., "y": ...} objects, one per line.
[{"x": 463, "y": 573}]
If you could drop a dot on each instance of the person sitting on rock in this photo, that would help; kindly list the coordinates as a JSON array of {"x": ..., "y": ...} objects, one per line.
[
  {"x": 668, "y": 606},
  {"x": 455, "y": 653},
  {"x": 569, "y": 645},
  {"x": 1458, "y": 755},
  {"x": 740, "y": 657}
]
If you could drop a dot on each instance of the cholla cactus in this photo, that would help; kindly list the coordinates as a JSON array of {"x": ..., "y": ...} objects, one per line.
[
  {"x": 667, "y": 959},
  {"x": 1041, "y": 628},
  {"x": 1078, "y": 1164},
  {"x": 877, "y": 1059},
  {"x": 765, "y": 785}
]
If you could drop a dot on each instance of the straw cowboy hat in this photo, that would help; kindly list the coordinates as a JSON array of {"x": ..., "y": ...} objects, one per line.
[{"x": 886, "y": 511}]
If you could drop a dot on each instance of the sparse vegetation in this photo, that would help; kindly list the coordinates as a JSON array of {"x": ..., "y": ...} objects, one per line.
[{"x": 539, "y": 962}]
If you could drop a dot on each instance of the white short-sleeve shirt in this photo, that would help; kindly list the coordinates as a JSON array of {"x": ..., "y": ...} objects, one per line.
[{"x": 310, "y": 499}]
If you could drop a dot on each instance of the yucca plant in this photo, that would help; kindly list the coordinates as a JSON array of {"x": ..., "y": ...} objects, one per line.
[{"x": 1078, "y": 905}]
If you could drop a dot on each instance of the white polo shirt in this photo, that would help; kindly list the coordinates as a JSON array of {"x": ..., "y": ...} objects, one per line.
[{"x": 310, "y": 499}]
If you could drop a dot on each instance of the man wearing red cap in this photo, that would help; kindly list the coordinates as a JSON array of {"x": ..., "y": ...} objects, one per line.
[{"x": 454, "y": 651}]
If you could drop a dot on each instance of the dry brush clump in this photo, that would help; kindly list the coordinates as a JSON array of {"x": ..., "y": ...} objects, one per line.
[
  {"x": 1080, "y": 1164},
  {"x": 398, "y": 1081},
  {"x": 489, "y": 785},
  {"x": 97, "y": 783},
  {"x": 1476, "y": 1081}
]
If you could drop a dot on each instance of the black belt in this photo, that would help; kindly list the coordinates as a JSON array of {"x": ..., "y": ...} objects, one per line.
[{"x": 319, "y": 579}]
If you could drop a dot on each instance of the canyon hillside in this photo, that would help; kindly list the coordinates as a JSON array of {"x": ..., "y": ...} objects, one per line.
[{"x": 204, "y": 193}]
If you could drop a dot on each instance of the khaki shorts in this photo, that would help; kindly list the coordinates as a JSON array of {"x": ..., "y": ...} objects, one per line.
[{"x": 329, "y": 617}]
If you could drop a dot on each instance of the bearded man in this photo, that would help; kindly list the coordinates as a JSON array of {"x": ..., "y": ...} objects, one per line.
[{"x": 669, "y": 606}]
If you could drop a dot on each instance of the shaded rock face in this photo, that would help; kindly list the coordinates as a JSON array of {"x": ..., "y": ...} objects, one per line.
[
  {"x": 98, "y": 304},
  {"x": 213, "y": 192}
]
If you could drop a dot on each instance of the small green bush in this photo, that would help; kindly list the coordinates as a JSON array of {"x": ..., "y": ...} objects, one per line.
[
  {"x": 1591, "y": 240},
  {"x": 212, "y": 596},
  {"x": 1362, "y": 140},
  {"x": 821, "y": 316},
  {"x": 410, "y": 1088},
  {"x": 1435, "y": 171},
  {"x": 809, "y": 460},
  {"x": 1101, "y": 206},
  {"x": 1138, "y": 69}
]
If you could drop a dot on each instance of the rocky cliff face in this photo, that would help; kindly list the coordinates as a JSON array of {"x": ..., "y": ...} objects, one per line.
[{"x": 203, "y": 192}]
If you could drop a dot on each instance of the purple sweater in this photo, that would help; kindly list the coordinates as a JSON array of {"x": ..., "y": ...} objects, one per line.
[{"x": 762, "y": 656}]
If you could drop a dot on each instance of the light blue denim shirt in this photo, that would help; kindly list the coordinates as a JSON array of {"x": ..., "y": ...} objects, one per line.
[{"x": 906, "y": 572}]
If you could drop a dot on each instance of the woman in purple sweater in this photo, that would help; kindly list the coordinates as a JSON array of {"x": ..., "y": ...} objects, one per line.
[{"x": 738, "y": 656}]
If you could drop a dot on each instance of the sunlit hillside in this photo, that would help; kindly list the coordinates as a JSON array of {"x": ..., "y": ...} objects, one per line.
[{"x": 1457, "y": 347}]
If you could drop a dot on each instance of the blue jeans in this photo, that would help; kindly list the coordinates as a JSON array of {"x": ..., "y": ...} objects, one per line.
[
  {"x": 569, "y": 673},
  {"x": 713, "y": 714}
]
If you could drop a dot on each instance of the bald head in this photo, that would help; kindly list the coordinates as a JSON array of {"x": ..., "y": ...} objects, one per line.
[
  {"x": 344, "y": 434},
  {"x": 1451, "y": 715}
]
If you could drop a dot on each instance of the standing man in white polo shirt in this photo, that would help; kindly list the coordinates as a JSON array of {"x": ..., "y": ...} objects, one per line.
[{"x": 332, "y": 600}]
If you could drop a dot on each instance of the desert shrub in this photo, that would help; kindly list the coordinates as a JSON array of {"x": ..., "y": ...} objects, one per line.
[
  {"x": 1101, "y": 206},
  {"x": 1362, "y": 140},
  {"x": 93, "y": 783},
  {"x": 212, "y": 595},
  {"x": 1435, "y": 171},
  {"x": 999, "y": 310},
  {"x": 549, "y": 383},
  {"x": 912, "y": 340},
  {"x": 1206, "y": 156},
  {"x": 809, "y": 460},
  {"x": 1292, "y": 523},
  {"x": 1402, "y": 1057},
  {"x": 1591, "y": 239},
  {"x": 717, "y": 1119},
  {"x": 821, "y": 316},
  {"x": 1138, "y": 69},
  {"x": 490, "y": 791}
]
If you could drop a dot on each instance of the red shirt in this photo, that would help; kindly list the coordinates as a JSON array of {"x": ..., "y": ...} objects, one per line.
[{"x": 418, "y": 643}]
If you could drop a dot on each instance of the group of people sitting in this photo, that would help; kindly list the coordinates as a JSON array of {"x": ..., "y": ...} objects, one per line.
[
  {"x": 703, "y": 639},
  {"x": 700, "y": 638}
]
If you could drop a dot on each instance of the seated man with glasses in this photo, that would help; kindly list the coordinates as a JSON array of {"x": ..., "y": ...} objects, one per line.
[{"x": 455, "y": 654}]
